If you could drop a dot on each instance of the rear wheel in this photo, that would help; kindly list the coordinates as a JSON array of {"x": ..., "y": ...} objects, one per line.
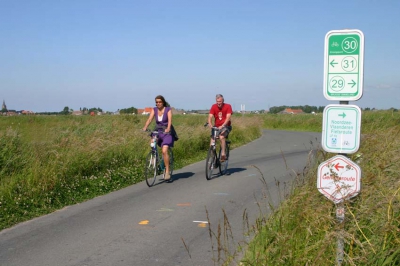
[
  {"x": 223, "y": 166},
  {"x": 210, "y": 163},
  {"x": 150, "y": 170}
]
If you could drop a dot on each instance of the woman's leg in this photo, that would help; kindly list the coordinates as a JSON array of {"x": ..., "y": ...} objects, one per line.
[{"x": 166, "y": 160}]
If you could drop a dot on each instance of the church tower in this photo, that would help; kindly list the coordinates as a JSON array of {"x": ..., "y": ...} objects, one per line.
[{"x": 4, "y": 107}]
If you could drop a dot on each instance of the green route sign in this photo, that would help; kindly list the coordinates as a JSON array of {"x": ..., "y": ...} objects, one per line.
[
  {"x": 344, "y": 65},
  {"x": 341, "y": 128}
]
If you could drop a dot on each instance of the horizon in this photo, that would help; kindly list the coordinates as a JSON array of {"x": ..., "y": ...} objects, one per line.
[{"x": 177, "y": 108}]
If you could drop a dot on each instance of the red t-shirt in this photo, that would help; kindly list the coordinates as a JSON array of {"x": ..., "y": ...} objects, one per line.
[{"x": 220, "y": 114}]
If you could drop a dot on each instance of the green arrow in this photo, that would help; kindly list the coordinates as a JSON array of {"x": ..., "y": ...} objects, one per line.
[
  {"x": 353, "y": 83},
  {"x": 333, "y": 63},
  {"x": 343, "y": 115}
]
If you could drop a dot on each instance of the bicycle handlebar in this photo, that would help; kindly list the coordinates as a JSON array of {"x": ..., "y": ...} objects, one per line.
[
  {"x": 206, "y": 124},
  {"x": 156, "y": 132}
]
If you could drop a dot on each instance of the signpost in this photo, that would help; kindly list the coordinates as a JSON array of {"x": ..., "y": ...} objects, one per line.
[
  {"x": 344, "y": 65},
  {"x": 341, "y": 128},
  {"x": 339, "y": 178}
]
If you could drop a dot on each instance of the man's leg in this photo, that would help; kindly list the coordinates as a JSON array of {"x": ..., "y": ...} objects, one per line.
[{"x": 223, "y": 155}]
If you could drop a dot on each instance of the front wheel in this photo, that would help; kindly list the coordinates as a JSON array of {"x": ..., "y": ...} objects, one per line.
[
  {"x": 210, "y": 163},
  {"x": 150, "y": 170}
]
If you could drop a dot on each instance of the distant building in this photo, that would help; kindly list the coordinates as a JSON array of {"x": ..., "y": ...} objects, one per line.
[
  {"x": 4, "y": 106},
  {"x": 292, "y": 111},
  {"x": 145, "y": 111},
  {"x": 204, "y": 112},
  {"x": 77, "y": 113},
  {"x": 26, "y": 112}
]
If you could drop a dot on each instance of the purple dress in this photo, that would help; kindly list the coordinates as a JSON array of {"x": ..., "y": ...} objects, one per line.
[{"x": 163, "y": 139}]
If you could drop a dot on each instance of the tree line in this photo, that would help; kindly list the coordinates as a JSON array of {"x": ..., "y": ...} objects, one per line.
[
  {"x": 88, "y": 111},
  {"x": 309, "y": 109},
  {"x": 305, "y": 108}
]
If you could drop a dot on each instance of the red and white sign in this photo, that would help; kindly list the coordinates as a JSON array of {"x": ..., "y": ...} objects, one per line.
[{"x": 339, "y": 178}]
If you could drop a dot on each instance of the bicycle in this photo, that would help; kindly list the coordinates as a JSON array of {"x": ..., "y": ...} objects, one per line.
[
  {"x": 213, "y": 160},
  {"x": 155, "y": 161}
]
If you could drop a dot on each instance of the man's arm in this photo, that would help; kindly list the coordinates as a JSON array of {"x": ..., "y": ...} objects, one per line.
[
  {"x": 228, "y": 118},
  {"x": 210, "y": 116}
]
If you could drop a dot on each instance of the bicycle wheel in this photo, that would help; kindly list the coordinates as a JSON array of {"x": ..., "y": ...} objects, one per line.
[
  {"x": 210, "y": 162},
  {"x": 171, "y": 162},
  {"x": 150, "y": 170},
  {"x": 223, "y": 166}
]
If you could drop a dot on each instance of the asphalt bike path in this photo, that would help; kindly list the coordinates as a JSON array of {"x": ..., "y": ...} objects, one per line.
[{"x": 169, "y": 223}]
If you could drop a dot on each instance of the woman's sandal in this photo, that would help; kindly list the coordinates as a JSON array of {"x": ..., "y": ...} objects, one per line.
[
  {"x": 223, "y": 158},
  {"x": 167, "y": 177}
]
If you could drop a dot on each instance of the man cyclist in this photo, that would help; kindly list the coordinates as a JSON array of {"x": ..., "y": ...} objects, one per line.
[{"x": 222, "y": 113}]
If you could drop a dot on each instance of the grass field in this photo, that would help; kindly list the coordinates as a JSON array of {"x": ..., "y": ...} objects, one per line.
[
  {"x": 304, "y": 230},
  {"x": 48, "y": 162}
]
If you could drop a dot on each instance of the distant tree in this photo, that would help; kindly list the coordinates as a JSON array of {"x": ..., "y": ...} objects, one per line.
[
  {"x": 130, "y": 110},
  {"x": 95, "y": 110},
  {"x": 307, "y": 109},
  {"x": 65, "y": 111},
  {"x": 277, "y": 109}
]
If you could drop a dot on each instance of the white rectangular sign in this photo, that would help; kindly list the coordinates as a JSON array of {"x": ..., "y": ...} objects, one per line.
[
  {"x": 341, "y": 128},
  {"x": 344, "y": 65}
]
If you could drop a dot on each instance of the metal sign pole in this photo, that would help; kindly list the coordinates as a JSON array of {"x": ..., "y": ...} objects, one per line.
[{"x": 340, "y": 239}]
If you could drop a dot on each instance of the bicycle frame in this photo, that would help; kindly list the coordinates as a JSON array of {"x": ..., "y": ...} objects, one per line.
[
  {"x": 155, "y": 161},
  {"x": 213, "y": 158}
]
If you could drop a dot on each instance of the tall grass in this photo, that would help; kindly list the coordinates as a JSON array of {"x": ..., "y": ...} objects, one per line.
[
  {"x": 304, "y": 230},
  {"x": 48, "y": 162},
  {"x": 298, "y": 122}
]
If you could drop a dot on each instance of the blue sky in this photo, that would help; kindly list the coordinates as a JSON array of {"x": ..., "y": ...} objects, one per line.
[{"x": 117, "y": 54}]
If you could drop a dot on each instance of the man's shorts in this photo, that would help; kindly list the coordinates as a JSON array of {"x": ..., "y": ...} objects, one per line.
[{"x": 224, "y": 131}]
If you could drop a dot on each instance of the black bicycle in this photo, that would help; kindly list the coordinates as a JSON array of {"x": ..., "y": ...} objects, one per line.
[
  {"x": 213, "y": 160},
  {"x": 155, "y": 162}
]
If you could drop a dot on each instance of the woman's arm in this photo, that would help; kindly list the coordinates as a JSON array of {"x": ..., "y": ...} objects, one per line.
[
  {"x": 169, "y": 114},
  {"x": 151, "y": 116}
]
